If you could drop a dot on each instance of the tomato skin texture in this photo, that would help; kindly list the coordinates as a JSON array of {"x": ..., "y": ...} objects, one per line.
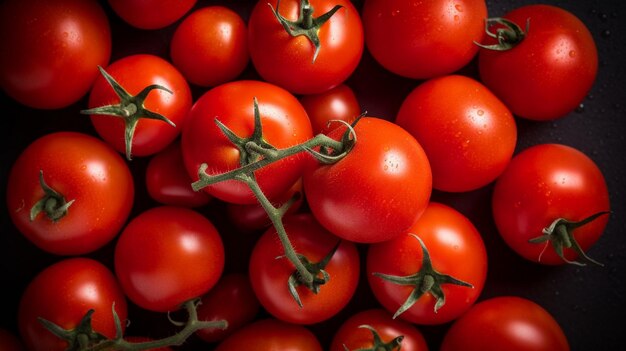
[
  {"x": 284, "y": 122},
  {"x": 469, "y": 142},
  {"x": 10, "y": 341},
  {"x": 269, "y": 275},
  {"x": 166, "y": 256},
  {"x": 271, "y": 334},
  {"x": 505, "y": 323},
  {"x": 550, "y": 72},
  {"x": 426, "y": 39},
  {"x": 57, "y": 294},
  {"x": 287, "y": 61},
  {"x": 134, "y": 73},
  {"x": 377, "y": 191},
  {"x": 355, "y": 338},
  {"x": 450, "y": 238},
  {"x": 89, "y": 172},
  {"x": 210, "y": 46},
  {"x": 542, "y": 183},
  {"x": 338, "y": 103},
  {"x": 169, "y": 183},
  {"x": 45, "y": 51},
  {"x": 151, "y": 14}
]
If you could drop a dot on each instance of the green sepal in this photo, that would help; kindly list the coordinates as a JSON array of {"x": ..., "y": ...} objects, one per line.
[
  {"x": 53, "y": 204},
  {"x": 509, "y": 36},
  {"x": 378, "y": 344}
]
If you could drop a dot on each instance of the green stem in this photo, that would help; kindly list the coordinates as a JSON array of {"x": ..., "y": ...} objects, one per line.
[{"x": 53, "y": 203}]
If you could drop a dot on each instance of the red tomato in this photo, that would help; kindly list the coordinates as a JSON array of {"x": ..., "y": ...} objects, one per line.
[
  {"x": 80, "y": 169},
  {"x": 284, "y": 122},
  {"x": 455, "y": 248},
  {"x": 423, "y": 39},
  {"x": 338, "y": 103},
  {"x": 233, "y": 300},
  {"x": 167, "y": 256},
  {"x": 468, "y": 142},
  {"x": 153, "y": 14},
  {"x": 354, "y": 336},
  {"x": 271, "y": 334},
  {"x": 169, "y": 183},
  {"x": 291, "y": 61},
  {"x": 9, "y": 341},
  {"x": 555, "y": 64},
  {"x": 542, "y": 184},
  {"x": 63, "y": 293},
  {"x": 505, "y": 323},
  {"x": 378, "y": 190},
  {"x": 51, "y": 50},
  {"x": 134, "y": 73},
  {"x": 210, "y": 46},
  {"x": 269, "y": 276}
]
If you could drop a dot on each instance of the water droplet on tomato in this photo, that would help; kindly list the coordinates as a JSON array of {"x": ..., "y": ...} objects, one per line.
[
  {"x": 480, "y": 112},
  {"x": 572, "y": 53},
  {"x": 458, "y": 7}
]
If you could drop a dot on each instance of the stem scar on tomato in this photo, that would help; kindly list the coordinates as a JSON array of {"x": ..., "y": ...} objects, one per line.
[
  {"x": 377, "y": 343},
  {"x": 53, "y": 204},
  {"x": 508, "y": 36}
]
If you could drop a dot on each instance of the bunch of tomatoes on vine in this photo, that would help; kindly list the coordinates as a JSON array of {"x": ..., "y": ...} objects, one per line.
[{"x": 295, "y": 162}]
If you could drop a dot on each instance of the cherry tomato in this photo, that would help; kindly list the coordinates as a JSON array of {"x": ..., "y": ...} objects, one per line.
[
  {"x": 423, "y": 39},
  {"x": 545, "y": 183},
  {"x": 293, "y": 62},
  {"x": 167, "y": 256},
  {"x": 271, "y": 334},
  {"x": 153, "y": 14},
  {"x": 450, "y": 239},
  {"x": 210, "y": 46},
  {"x": 336, "y": 104},
  {"x": 85, "y": 198},
  {"x": 505, "y": 323},
  {"x": 378, "y": 190},
  {"x": 10, "y": 341},
  {"x": 134, "y": 73},
  {"x": 269, "y": 276},
  {"x": 355, "y": 336},
  {"x": 51, "y": 50},
  {"x": 548, "y": 72},
  {"x": 468, "y": 142},
  {"x": 284, "y": 123},
  {"x": 169, "y": 183},
  {"x": 63, "y": 293}
]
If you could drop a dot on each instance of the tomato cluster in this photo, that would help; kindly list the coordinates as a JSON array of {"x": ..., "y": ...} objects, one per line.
[{"x": 298, "y": 174}]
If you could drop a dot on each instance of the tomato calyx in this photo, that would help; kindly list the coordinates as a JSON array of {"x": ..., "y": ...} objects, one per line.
[
  {"x": 306, "y": 24},
  {"x": 53, "y": 204},
  {"x": 560, "y": 234},
  {"x": 378, "y": 343},
  {"x": 508, "y": 35},
  {"x": 130, "y": 108},
  {"x": 79, "y": 338},
  {"x": 426, "y": 280}
]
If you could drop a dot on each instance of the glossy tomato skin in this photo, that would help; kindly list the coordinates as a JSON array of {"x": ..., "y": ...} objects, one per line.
[
  {"x": 151, "y": 14},
  {"x": 287, "y": 61},
  {"x": 378, "y": 190},
  {"x": 48, "y": 42},
  {"x": 505, "y": 323},
  {"x": 354, "y": 337},
  {"x": 210, "y": 46},
  {"x": 337, "y": 104},
  {"x": 541, "y": 184},
  {"x": 284, "y": 122},
  {"x": 269, "y": 275},
  {"x": 450, "y": 238},
  {"x": 134, "y": 73},
  {"x": 63, "y": 293},
  {"x": 166, "y": 256},
  {"x": 468, "y": 142},
  {"x": 424, "y": 39},
  {"x": 271, "y": 334},
  {"x": 169, "y": 183},
  {"x": 81, "y": 168},
  {"x": 550, "y": 72}
]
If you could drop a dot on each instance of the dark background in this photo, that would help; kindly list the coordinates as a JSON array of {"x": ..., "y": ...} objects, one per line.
[{"x": 588, "y": 302}]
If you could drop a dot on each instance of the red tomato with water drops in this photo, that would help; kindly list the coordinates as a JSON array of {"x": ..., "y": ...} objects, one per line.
[
  {"x": 152, "y": 14},
  {"x": 271, "y": 334},
  {"x": 51, "y": 50},
  {"x": 167, "y": 256},
  {"x": 468, "y": 142},
  {"x": 63, "y": 293},
  {"x": 548, "y": 70},
  {"x": 210, "y": 46},
  {"x": 548, "y": 191},
  {"x": 85, "y": 198},
  {"x": 337, "y": 104}
]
